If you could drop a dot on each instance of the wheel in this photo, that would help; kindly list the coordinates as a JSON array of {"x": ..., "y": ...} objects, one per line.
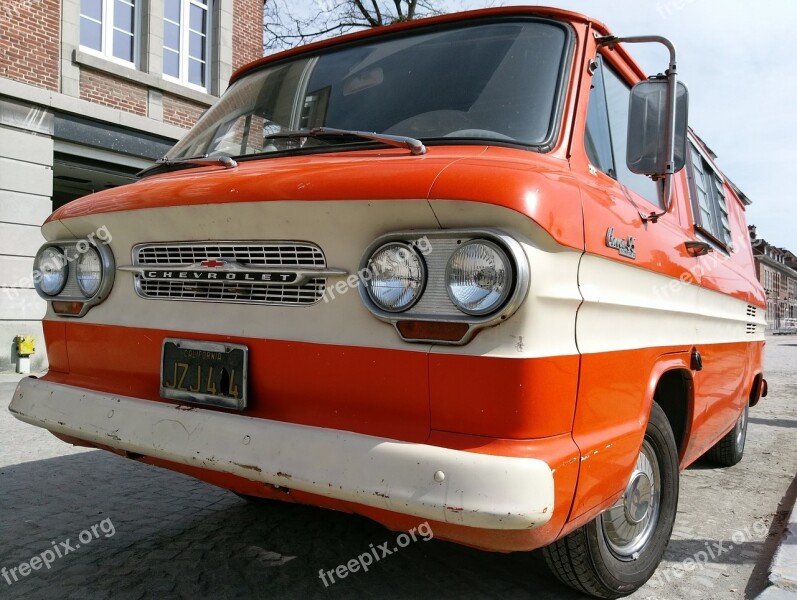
[
  {"x": 730, "y": 449},
  {"x": 615, "y": 554}
]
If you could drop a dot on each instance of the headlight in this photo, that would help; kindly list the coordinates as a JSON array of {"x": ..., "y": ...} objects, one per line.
[
  {"x": 52, "y": 266},
  {"x": 395, "y": 277},
  {"x": 479, "y": 277},
  {"x": 89, "y": 272}
]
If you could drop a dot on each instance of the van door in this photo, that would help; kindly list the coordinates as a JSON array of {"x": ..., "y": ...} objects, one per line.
[{"x": 639, "y": 289}]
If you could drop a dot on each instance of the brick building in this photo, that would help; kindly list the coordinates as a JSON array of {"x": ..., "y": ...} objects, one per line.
[
  {"x": 777, "y": 271},
  {"x": 91, "y": 91}
]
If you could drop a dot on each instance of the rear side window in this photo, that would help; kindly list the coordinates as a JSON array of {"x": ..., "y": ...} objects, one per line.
[
  {"x": 606, "y": 137},
  {"x": 709, "y": 204}
]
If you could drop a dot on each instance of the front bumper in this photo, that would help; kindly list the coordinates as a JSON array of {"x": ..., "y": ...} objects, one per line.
[{"x": 475, "y": 490}]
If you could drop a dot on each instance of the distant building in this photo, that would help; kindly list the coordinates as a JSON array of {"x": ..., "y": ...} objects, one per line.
[
  {"x": 91, "y": 91},
  {"x": 777, "y": 271}
]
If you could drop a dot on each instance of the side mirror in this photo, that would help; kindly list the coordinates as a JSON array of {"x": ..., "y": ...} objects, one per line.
[{"x": 648, "y": 117}]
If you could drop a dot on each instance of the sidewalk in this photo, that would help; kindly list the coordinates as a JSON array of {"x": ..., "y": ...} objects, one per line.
[
  {"x": 783, "y": 572},
  {"x": 12, "y": 377}
]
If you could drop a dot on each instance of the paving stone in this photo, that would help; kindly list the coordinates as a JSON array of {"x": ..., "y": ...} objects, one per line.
[{"x": 176, "y": 537}]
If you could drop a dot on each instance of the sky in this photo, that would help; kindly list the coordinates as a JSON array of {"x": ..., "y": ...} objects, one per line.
[{"x": 733, "y": 55}]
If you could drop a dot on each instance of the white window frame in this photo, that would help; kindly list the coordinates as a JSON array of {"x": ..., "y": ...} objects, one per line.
[
  {"x": 106, "y": 23},
  {"x": 718, "y": 198},
  {"x": 184, "y": 58}
]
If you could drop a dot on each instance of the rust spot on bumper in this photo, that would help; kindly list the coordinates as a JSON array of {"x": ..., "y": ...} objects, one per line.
[{"x": 249, "y": 467}]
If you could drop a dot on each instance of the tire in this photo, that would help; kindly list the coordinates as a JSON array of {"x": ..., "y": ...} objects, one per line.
[
  {"x": 730, "y": 449},
  {"x": 615, "y": 554}
]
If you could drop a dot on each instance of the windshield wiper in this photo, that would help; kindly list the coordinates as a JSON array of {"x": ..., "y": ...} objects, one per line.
[
  {"x": 199, "y": 161},
  {"x": 416, "y": 147}
]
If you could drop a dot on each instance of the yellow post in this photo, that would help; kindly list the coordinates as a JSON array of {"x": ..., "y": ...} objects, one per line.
[{"x": 26, "y": 345}]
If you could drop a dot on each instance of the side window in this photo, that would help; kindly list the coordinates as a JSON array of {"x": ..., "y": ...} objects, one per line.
[
  {"x": 709, "y": 205},
  {"x": 597, "y": 138},
  {"x": 618, "y": 94}
]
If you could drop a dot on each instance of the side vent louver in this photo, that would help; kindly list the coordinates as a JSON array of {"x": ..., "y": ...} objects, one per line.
[
  {"x": 751, "y": 311},
  {"x": 751, "y": 329}
]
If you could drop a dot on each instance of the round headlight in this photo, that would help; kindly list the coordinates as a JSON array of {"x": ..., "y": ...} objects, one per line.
[
  {"x": 395, "y": 277},
  {"x": 479, "y": 277},
  {"x": 89, "y": 272},
  {"x": 52, "y": 267}
]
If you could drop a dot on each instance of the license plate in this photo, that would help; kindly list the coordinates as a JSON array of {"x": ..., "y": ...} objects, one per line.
[{"x": 211, "y": 373}]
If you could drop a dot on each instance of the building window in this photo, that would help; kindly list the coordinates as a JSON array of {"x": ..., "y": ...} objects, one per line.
[
  {"x": 108, "y": 27},
  {"x": 185, "y": 41},
  {"x": 709, "y": 203}
]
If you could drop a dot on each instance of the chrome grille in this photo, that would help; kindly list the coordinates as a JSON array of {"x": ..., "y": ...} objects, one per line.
[
  {"x": 435, "y": 300},
  {"x": 260, "y": 254},
  {"x": 71, "y": 289}
]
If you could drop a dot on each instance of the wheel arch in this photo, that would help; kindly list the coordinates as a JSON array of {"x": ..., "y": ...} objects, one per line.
[
  {"x": 674, "y": 393},
  {"x": 758, "y": 389},
  {"x": 606, "y": 461}
]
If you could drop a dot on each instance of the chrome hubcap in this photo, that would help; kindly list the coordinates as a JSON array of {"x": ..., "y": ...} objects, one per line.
[
  {"x": 629, "y": 524},
  {"x": 741, "y": 429},
  {"x": 637, "y": 498}
]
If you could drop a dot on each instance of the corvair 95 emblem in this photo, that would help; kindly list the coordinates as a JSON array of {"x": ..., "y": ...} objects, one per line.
[
  {"x": 624, "y": 246},
  {"x": 219, "y": 270}
]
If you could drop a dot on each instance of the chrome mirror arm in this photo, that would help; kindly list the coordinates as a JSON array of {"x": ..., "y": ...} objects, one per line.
[{"x": 672, "y": 80}]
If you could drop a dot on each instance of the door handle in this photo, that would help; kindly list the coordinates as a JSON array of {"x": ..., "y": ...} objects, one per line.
[{"x": 695, "y": 248}]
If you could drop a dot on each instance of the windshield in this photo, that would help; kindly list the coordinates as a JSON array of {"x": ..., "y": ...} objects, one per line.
[{"x": 486, "y": 81}]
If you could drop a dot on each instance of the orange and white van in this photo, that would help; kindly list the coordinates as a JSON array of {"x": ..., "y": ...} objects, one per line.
[{"x": 472, "y": 270}]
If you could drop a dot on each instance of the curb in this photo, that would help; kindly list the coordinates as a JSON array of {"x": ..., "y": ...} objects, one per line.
[
  {"x": 16, "y": 377},
  {"x": 783, "y": 571},
  {"x": 776, "y": 593}
]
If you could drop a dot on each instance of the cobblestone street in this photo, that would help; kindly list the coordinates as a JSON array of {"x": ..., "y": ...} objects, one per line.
[{"x": 175, "y": 537}]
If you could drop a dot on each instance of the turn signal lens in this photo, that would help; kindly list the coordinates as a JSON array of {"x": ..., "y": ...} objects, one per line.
[
  {"x": 67, "y": 308},
  {"x": 432, "y": 330}
]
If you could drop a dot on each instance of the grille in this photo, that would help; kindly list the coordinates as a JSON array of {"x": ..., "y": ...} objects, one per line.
[
  {"x": 71, "y": 289},
  {"x": 267, "y": 255},
  {"x": 751, "y": 311},
  {"x": 259, "y": 254},
  {"x": 435, "y": 300},
  {"x": 752, "y": 329}
]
